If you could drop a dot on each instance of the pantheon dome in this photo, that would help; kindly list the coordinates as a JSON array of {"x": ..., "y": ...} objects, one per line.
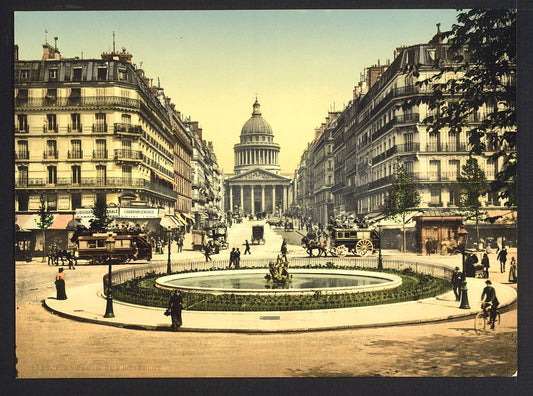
[{"x": 256, "y": 148}]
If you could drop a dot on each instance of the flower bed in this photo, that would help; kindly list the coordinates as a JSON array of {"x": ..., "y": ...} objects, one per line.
[{"x": 142, "y": 291}]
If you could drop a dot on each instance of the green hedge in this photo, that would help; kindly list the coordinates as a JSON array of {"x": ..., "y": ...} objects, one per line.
[{"x": 142, "y": 291}]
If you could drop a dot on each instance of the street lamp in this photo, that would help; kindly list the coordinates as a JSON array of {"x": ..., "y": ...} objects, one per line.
[
  {"x": 380, "y": 257},
  {"x": 169, "y": 233},
  {"x": 110, "y": 248},
  {"x": 464, "y": 289}
]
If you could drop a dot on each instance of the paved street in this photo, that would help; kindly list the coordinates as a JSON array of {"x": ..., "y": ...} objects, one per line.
[{"x": 49, "y": 346}]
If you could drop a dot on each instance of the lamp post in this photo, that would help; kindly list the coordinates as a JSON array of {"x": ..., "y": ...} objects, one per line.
[
  {"x": 464, "y": 289},
  {"x": 380, "y": 257},
  {"x": 169, "y": 233},
  {"x": 110, "y": 248}
]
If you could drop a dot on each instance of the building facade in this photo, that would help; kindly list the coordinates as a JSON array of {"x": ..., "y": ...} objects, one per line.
[
  {"x": 256, "y": 185},
  {"x": 85, "y": 127}
]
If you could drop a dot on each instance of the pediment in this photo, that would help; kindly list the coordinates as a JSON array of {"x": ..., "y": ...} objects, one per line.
[{"x": 258, "y": 175}]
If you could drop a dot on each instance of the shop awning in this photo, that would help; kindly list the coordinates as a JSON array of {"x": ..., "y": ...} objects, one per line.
[
  {"x": 170, "y": 221},
  {"x": 29, "y": 221},
  {"x": 181, "y": 219},
  {"x": 165, "y": 178}
]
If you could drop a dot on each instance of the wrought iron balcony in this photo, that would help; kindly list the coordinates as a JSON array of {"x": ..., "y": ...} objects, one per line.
[
  {"x": 84, "y": 101},
  {"x": 74, "y": 128},
  {"x": 125, "y": 155},
  {"x": 50, "y": 154},
  {"x": 22, "y": 129},
  {"x": 127, "y": 128},
  {"x": 75, "y": 154},
  {"x": 50, "y": 128},
  {"x": 100, "y": 127},
  {"x": 100, "y": 154},
  {"x": 22, "y": 155}
]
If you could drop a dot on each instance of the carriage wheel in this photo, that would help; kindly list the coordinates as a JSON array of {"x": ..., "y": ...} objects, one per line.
[{"x": 363, "y": 246}]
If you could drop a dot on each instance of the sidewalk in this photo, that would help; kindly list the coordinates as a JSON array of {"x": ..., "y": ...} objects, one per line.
[{"x": 86, "y": 303}]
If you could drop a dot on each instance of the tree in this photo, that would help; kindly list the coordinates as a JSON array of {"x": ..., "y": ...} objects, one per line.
[
  {"x": 473, "y": 185},
  {"x": 44, "y": 221},
  {"x": 402, "y": 199},
  {"x": 479, "y": 78},
  {"x": 100, "y": 212}
]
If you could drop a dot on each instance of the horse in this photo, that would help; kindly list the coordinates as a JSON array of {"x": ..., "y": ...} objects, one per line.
[
  {"x": 309, "y": 245},
  {"x": 64, "y": 254}
]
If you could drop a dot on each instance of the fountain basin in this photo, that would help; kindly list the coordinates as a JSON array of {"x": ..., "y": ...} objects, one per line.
[{"x": 304, "y": 281}]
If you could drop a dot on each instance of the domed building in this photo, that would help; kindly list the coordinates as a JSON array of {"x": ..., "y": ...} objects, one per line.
[{"x": 256, "y": 185}]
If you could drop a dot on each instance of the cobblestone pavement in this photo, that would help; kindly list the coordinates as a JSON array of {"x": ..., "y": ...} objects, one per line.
[{"x": 49, "y": 346}]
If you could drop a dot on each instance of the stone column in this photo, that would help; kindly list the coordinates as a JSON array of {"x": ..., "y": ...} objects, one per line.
[
  {"x": 262, "y": 197},
  {"x": 242, "y": 198},
  {"x": 274, "y": 198},
  {"x": 252, "y": 198},
  {"x": 231, "y": 198},
  {"x": 285, "y": 198}
]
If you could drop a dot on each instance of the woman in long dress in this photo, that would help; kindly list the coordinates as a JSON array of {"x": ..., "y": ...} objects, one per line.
[
  {"x": 60, "y": 285},
  {"x": 512, "y": 271}
]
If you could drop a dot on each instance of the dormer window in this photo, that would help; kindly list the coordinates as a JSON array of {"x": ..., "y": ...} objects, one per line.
[
  {"x": 24, "y": 74},
  {"x": 102, "y": 73},
  {"x": 76, "y": 74},
  {"x": 52, "y": 74},
  {"x": 122, "y": 75}
]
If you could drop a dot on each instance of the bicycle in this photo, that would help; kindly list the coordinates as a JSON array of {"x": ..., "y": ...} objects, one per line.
[{"x": 483, "y": 318}]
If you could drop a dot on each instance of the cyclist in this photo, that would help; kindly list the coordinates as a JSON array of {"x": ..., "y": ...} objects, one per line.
[{"x": 490, "y": 301}]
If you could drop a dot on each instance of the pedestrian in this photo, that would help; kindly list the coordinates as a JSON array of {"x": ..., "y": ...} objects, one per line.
[
  {"x": 284, "y": 248},
  {"x": 180, "y": 243},
  {"x": 485, "y": 264},
  {"x": 207, "y": 253},
  {"x": 457, "y": 278},
  {"x": 247, "y": 250},
  {"x": 237, "y": 258},
  {"x": 428, "y": 247},
  {"x": 512, "y": 271},
  {"x": 60, "y": 285},
  {"x": 502, "y": 258},
  {"x": 231, "y": 257},
  {"x": 490, "y": 301},
  {"x": 175, "y": 306}
]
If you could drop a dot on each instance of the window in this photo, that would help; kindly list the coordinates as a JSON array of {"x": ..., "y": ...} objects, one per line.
[
  {"x": 126, "y": 119},
  {"x": 22, "y": 123},
  {"x": 51, "y": 96},
  {"x": 126, "y": 148},
  {"x": 76, "y": 74},
  {"x": 102, "y": 73},
  {"x": 23, "y": 200},
  {"x": 75, "y": 97},
  {"x": 25, "y": 74},
  {"x": 75, "y": 122},
  {"x": 22, "y": 150},
  {"x": 76, "y": 174},
  {"x": 51, "y": 149},
  {"x": 75, "y": 149},
  {"x": 126, "y": 175},
  {"x": 435, "y": 197},
  {"x": 51, "y": 201},
  {"x": 22, "y": 177},
  {"x": 434, "y": 170},
  {"x": 52, "y": 74},
  {"x": 76, "y": 200},
  {"x": 101, "y": 149},
  {"x": 101, "y": 175},
  {"x": 51, "y": 124},
  {"x": 52, "y": 174},
  {"x": 408, "y": 141},
  {"x": 122, "y": 74},
  {"x": 454, "y": 167},
  {"x": 22, "y": 97},
  {"x": 100, "y": 123}
]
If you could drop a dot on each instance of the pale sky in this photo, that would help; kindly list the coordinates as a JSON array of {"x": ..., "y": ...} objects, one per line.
[{"x": 212, "y": 64}]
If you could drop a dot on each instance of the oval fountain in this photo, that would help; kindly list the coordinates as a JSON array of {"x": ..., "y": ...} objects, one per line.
[{"x": 304, "y": 281}]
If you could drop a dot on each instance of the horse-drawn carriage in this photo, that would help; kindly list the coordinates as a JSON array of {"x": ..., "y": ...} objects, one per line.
[
  {"x": 358, "y": 241},
  {"x": 22, "y": 246},
  {"x": 218, "y": 233},
  {"x": 258, "y": 232}
]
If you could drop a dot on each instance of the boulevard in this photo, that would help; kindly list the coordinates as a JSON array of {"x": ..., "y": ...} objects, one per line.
[{"x": 50, "y": 346}]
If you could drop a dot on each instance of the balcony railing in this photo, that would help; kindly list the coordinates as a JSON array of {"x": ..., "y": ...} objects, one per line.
[
  {"x": 23, "y": 129},
  {"x": 100, "y": 127},
  {"x": 50, "y": 154},
  {"x": 75, "y": 154},
  {"x": 127, "y": 128},
  {"x": 408, "y": 147},
  {"x": 50, "y": 128},
  {"x": 22, "y": 155},
  {"x": 407, "y": 118},
  {"x": 74, "y": 128},
  {"x": 124, "y": 154},
  {"x": 447, "y": 147},
  {"x": 85, "y": 101},
  {"x": 100, "y": 154},
  {"x": 90, "y": 182}
]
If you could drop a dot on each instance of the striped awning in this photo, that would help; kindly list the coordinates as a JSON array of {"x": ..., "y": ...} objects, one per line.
[
  {"x": 29, "y": 221},
  {"x": 171, "y": 221}
]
